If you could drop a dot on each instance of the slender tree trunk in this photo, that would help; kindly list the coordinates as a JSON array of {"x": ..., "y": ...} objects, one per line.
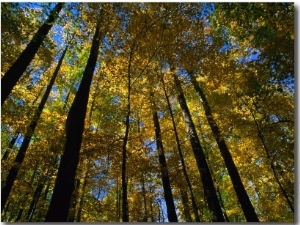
[
  {"x": 125, "y": 207},
  {"x": 12, "y": 175},
  {"x": 14, "y": 73},
  {"x": 36, "y": 196},
  {"x": 186, "y": 209},
  {"x": 208, "y": 185},
  {"x": 194, "y": 204},
  {"x": 82, "y": 196},
  {"x": 239, "y": 188},
  {"x": 72, "y": 211},
  {"x": 261, "y": 137},
  {"x": 65, "y": 181},
  {"x": 172, "y": 217},
  {"x": 145, "y": 217},
  {"x": 10, "y": 146},
  {"x": 222, "y": 205}
]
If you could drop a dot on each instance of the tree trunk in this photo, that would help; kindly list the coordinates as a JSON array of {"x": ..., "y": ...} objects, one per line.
[
  {"x": 208, "y": 185},
  {"x": 239, "y": 188},
  {"x": 125, "y": 207},
  {"x": 12, "y": 175},
  {"x": 261, "y": 137},
  {"x": 171, "y": 212},
  {"x": 194, "y": 204},
  {"x": 36, "y": 196},
  {"x": 186, "y": 209},
  {"x": 72, "y": 211},
  {"x": 14, "y": 73},
  {"x": 65, "y": 181},
  {"x": 10, "y": 146},
  {"x": 145, "y": 216},
  {"x": 82, "y": 196}
]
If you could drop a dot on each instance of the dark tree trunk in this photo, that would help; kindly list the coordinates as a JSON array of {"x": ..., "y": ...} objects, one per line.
[
  {"x": 82, "y": 196},
  {"x": 239, "y": 188},
  {"x": 12, "y": 175},
  {"x": 195, "y": 207},
  {"x": 72, "y": 211},
  {"x": 208, "y": 185},
  {"x": 65, "y": 181},
  {"x": 125, "y": 206},
  {"x": 10, "y": 146},
  {"x": 14, "y": 73},
  {"x": 36, "y": 196},
  {"x": 171, "y": 212},
  {"x": 186, "y": 209}
]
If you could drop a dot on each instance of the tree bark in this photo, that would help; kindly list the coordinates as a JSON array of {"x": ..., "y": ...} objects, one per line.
[
  {"x": 171, "y": 212},
  {"x": 185, "y": 174},
  {"x": 10, "y": 146},
  {"x": 72, "y": 211},
  {"x": 125, "y": 206},
  {"x": 239, "y": 188},
  {"x": 65, "y": 181},
  {"x": 14, "y": 73},
  {"x": 36, "y": 196},
  {"x": 12, "y": 175},
  {"x": 208, "y": 185}
]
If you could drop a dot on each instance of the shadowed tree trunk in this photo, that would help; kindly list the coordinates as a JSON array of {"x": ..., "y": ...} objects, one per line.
[
  {"x": 12, "y": 175},
  {"x": 239, "y": 188},
  {"x": 36, "y": 196},
  {"x": 72, "y": 211},
  {"x": 194, "y": 204},
  {"x": 65, "y": 181},
  {"x": 171, "y": 212},
  {"x": 14, "y": 73},
  {"x": 10, "y": 146},
  {"x": 208, "y": 185}
]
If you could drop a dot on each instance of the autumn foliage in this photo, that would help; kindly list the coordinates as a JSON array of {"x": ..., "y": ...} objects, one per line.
[{"x": 157, "y": 112}]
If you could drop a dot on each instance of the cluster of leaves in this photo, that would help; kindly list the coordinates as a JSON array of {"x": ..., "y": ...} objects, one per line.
[{"x": 242, "y": 55}]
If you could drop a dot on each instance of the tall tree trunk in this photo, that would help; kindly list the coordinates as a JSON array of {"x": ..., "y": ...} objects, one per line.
[
  {"x": 10, "y": 146},
  {"x": 208, "y": 185},
  {"x": 145, "y": 216},
  {"x": 171, "y": 212},
  {"x": 72, "y": 211},
  {"x": 12, "y": 175},
  {"x": 187, "y": 179},
  {"x": 262, "y": 139},
  {"x": 186, "y": 209},
  {"x": 36, "y": 196},
  {"x": 82, "y": 196},
  {"x": 239, "y": 188},
  {"x": 14, "y": 73},
  {"x": 65, "y": 181},
  {"x": 125, "y": 207}
]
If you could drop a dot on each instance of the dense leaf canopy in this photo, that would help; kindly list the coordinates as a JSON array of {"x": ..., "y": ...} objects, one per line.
[{"x": 241, "y": 56}]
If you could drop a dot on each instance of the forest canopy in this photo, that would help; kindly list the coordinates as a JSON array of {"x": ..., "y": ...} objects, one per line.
[{"x": 147, "y": 112}]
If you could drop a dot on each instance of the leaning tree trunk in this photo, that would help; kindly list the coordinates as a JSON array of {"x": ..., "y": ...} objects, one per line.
[
  {"x": 14, "y": 73},
  {"x": 208, "y": 185},
  {"x": 12, "y": 175},
  {"x": 37, "y": 193},
  {"x": 239, "y": 188},
  {"x": 187, "y": 179},
  {"x": 65, "y": 181},
  {"x": 171, "y": 212},
  {"x": 10, "y": 146},
  {"x": 262, "y": 139}
]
